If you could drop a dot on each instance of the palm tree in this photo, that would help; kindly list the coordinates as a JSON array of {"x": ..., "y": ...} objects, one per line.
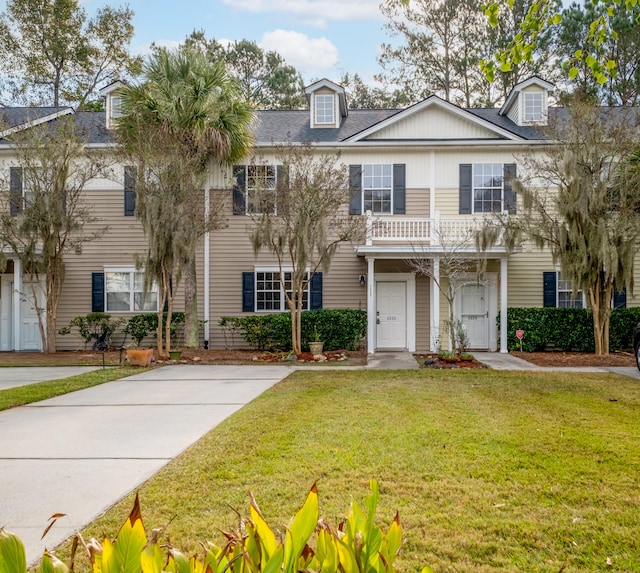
[{"x": 186, "y": 112}]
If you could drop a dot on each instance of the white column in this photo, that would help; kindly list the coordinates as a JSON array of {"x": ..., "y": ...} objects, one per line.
[
  {"x": 371, "y": 307},
  {"x": 432, "y": 186},
  {"x": 17, "y": 303},
  {"x": 503, "y": 305},
  {"x": 434, "y": 306},
  {"x": 207, "y": 262}
]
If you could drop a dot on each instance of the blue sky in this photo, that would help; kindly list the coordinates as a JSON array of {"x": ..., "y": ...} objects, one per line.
[{"x": 321, "y": 38}]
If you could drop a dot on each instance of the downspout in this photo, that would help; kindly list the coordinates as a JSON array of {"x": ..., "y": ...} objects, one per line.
[{"x": 207, "y": 262}]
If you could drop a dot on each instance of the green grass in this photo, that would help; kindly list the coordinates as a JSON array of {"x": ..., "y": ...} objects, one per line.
[
  {"x": 12, "y": 397},
  {"x": 490, "y": 471}
]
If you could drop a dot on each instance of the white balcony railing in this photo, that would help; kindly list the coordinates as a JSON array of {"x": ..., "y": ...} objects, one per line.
[{"x": 435, "y": 231}]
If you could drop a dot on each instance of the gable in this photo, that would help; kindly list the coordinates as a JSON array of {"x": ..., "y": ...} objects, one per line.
[{"x": 435, "y": 123}]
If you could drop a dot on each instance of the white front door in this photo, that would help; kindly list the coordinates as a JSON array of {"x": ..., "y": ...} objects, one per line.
[
  {"x": 474, "y": 314},
  {"x": 29, "y": 329},
  {"x": 6, "y": 312},
  {"x": 391, "y": 315}
]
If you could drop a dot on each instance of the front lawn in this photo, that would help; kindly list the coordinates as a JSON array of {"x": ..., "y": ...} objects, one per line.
[{"x": 490, "y": 471}]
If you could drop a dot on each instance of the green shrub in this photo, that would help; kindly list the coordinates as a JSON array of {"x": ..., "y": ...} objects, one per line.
[
  {"x": 337, "y": 328},
  {"x": 141, "y": 325},
  {"x": 309, "y": 543},
  {"x": 567, "y": 329},
  {"x": 93, "y": 327}
]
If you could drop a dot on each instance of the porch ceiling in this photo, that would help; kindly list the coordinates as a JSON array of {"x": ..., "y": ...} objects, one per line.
[{"x": 427, "y": 251}]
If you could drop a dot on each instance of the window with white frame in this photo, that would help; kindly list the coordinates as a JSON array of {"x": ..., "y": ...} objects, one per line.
[
  {"x": 488, "y": 186},
  {"x": 261, "y": 186},
  {"x": 270, "y": 290},
  {"x": 116, "y": 106},
  {"x": 533, "y": 107},
  {"x": 325, "y": 108},
  {"x": 124, "y": 290},
  {"x": 565, "y": 296},
  {"x": 377, "y": 189}
]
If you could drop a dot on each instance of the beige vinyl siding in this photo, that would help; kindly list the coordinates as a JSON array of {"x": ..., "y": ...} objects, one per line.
[
  {"x": 423, "y": 316},
  {"x": 434, "y": 123},
  {"x": 116, "y": 246},
  {"x": 232, "y": 254}
]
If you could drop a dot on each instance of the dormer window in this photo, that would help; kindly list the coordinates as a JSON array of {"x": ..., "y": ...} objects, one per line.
[
  {"x": 533, "y": 107},
  {"x": 325, "y": 108},
  {"x": 116, "y": 106}
]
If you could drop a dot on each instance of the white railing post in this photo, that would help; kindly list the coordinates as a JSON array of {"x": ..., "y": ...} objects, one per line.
[{"x": 369, "y": 236}]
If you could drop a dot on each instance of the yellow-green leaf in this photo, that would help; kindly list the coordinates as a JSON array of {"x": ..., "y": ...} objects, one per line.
[
  {"x": 347, "y": 558},
  {"x": 393, "y": 539},
  {"x": 301, "y": 528},
  {"x": 12, "y": 555},
  {"x": 573, "y": 73},
  {"x": 151, "y": 559},
  {"x": 178, "y": 562},
  {"x": 109, "y": 562},
  {"x": 267, "y": 536}
]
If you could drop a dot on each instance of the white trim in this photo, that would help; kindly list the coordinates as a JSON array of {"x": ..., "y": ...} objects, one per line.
[
  {"x": 371, "y": 307},
  {"x": 515, "y": 91},
  {"x": 17, "y": 304},
  {"x": 504, "y": 326},
  {"x": 434, "y": 307},
  {"x": 207, "y": 263},
  {"x": 38, "y": 121},
  {"x": 491, "y": 292}
]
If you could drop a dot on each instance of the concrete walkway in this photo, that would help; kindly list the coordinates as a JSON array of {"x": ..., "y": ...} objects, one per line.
[
  {"x": 80, "y": 453},
  {"x": 14, "y": 376}
]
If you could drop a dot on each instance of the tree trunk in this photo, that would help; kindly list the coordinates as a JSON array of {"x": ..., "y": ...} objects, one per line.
[{"x": 191, "y": 324}]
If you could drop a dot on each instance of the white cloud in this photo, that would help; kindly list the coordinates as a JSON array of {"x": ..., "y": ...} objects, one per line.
[
  {"x": 308, "y": 55},
  {"x": 314, "y": 12},
  {"x": 145, "y": 49}
]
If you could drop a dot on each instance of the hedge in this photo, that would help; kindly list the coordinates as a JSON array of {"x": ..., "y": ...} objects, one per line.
[
  {"x": 337, "y": 328},
  {"x": 567, "y": 329}
]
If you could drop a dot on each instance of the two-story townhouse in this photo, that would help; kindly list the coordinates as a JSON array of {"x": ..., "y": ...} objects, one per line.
[{"x": 422, "y": 176}]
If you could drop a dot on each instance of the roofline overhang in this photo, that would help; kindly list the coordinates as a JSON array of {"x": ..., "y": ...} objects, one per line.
[
  {"x": 428, "y": 251},
  {"x": 37, "y": 121},
  {"x": 427, "y": 143}
]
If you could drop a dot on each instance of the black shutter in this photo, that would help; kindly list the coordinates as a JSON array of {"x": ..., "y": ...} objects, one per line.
[
  {"x": 129, "y": 191},
  {"x": 248, "y": 292},
  {"x": 239, "y": 190},
  {"x": 97, "y": 292},
  {"x": 355, "y": 188},
  {"x": 15, "y": 190},
  {"x": 466, "y": 188},
  {"x": 315, "y": 292},
  {"x": 620, "y": 298},
  {"x": 549, "y": 289},
  {"x": 399, "y": 189},
  {"x": 510, "y": 200}
]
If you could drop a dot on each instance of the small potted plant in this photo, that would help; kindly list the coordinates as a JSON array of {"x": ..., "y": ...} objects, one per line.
[{"x": 316, "y": 345}]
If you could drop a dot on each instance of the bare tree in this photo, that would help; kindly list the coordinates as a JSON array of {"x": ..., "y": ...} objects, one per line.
[
  {"x": 454, "y": 264},
  {"x": 581, "y": 200},
  {"x": 303, "y": 220},
  {"x": 47, "y": 216}
]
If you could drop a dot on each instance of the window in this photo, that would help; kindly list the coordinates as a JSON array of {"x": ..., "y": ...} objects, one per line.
[
  {"x": 487, "y": 187},
  {"x": 558, "y": 292},
  {"x": 380, "y": 189},
  {"x": 125, "y": 292},
  {"x": 565, "y": 295},
  {"x": 270, "y": 291},
  {"x": 532, "y": 107},
  {"x": 377, "y": 188},
  {"x": 261, "y": 185},
  {"x": 116, "y": 107},
  {"x": 254, "y": 190},
  {"x": 324, "y": 108}
]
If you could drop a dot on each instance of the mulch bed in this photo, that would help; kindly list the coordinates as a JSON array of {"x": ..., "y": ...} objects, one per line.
[{"x": 440, "y": 363}]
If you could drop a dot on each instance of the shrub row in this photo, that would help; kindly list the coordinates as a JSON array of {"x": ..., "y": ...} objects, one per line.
[
  {"x": 338, "y": 329},
  {"x": 567, "y": 329},
  {"x": 99, "y": 325}
]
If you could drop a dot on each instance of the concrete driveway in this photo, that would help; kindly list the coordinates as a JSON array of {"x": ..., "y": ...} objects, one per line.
[
  {"x": 14, "y": 376},
  {"x": 80, "y": 453}
]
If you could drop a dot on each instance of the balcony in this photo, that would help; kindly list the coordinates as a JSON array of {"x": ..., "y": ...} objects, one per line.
[{"x": 413, "y": 231}]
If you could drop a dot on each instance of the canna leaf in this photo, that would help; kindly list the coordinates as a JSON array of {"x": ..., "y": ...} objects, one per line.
[
  {"x": 347, "y": 558},
  {"x": 275, "y": 562},
  {"x": 12, "y": 555},
  {"x": 300, "y": 530},
  {"x": 392, "y": 541},
  {"x": 51, "y": 564},
  {"x": 266, "y": 535},
  {"x": 151, "y": 559},
  {"x": 131, "y": 541},
  {"x": 327, "y": 552},
  {"x": 178, "y": 562},
  {"x": 109, "y": 561}
]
